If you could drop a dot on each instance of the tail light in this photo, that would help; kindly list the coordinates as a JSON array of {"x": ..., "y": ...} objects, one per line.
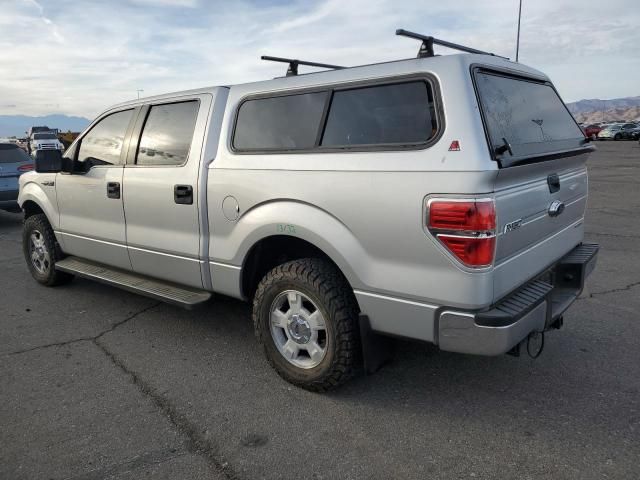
[
  {"x": 467, "y": 228},
  {"x": 26, "y": 167}
]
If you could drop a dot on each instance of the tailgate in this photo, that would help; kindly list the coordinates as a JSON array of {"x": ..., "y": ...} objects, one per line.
[{"x": 540, "y": 209}]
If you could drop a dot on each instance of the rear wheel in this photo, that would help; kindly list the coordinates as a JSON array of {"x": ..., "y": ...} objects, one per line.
[
  {"x": 617, "y": 136},
  {"x": 306, "y": 319},
  {"x": 41, "y": 251}
]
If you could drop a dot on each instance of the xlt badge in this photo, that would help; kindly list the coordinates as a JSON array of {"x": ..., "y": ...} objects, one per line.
[{"x": 511, "y": 226}]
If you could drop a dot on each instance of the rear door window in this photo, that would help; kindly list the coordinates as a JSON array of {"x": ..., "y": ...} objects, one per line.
[
  {"x": 167, "y": 134},
  {"x": 527, "y": 114},
  {"x": 381, "y": 115}
]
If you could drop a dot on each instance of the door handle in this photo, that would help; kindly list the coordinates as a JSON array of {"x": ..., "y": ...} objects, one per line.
[
  {"x": 113, "y": 189},
  {"x": 183, "y": 194},
  {"x": 553, "y": 181}
]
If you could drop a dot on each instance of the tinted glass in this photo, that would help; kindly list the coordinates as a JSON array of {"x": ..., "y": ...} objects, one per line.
[
  {"x": 529, "y": 115},
  {"x": 387, "y": 114},
  {"x": 10, "y": 153},
  {"x": 279, "y": 123},
  {"x": 103, "y": 144},
  {"x": 167, "y": 134}
]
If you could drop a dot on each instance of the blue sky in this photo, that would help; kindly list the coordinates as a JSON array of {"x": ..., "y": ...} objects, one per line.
[{"x": 78, "y": 57}]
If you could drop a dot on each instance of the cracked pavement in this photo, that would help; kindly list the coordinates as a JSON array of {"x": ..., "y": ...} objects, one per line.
[{"x": 100, "y": 383}]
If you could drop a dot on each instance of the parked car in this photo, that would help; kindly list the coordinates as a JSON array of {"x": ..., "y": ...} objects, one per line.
[
  {"x": 610, "y": 132},
  {"x": 591, "y": 131},
  {"x": 337, "y": 203},
  {"x": 13, "y": 163},
  {"x": 629, "y": 131}
]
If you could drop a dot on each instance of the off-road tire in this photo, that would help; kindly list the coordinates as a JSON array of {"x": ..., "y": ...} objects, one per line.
[
  {"x": 52, "y": 276},
  {"x": 326, "y": 286}
]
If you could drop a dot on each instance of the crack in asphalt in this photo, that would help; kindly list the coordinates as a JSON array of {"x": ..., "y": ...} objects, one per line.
[
  {"x": 611, "y": 235},
  {"x": 84, "y": 339},
  {"x": 197, "y": 442},
  {"x": 615, "y": 290}
]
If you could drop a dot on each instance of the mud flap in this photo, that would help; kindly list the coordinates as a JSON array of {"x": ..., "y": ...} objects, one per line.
[{"x": 377, "y": 350}]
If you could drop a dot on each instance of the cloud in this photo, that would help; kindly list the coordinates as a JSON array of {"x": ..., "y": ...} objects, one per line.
[
  {"x": 85, "y": 56},
  {"x": 316, "y": 15},
  {"x": 167, "y": 3}
]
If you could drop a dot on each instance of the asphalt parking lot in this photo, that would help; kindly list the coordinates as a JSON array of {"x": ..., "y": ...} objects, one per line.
[{"x": 99, "y": 383}]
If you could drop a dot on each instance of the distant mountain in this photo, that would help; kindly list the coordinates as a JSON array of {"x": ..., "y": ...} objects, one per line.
[
  {"x": 597, "y": 105},
  {"x": 16, "y": 125},
  {"x": 596, "y": 110},
  {"x": 631, "y": 114}
]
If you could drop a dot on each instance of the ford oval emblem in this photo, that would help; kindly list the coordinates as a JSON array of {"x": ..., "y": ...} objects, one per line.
[{"x": 556, "y": 208}]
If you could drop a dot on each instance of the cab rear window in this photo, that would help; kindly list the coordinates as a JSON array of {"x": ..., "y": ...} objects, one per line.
[{"x": 524, "y": 117}]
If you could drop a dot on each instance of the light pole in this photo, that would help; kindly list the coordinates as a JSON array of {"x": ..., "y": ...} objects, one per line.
[
  {"x": 518, "y": 39},
  {"x": 139, "y": 90}
]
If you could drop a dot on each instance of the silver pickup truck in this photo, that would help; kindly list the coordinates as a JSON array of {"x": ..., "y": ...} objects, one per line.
[{"x": 440, "y": 198}]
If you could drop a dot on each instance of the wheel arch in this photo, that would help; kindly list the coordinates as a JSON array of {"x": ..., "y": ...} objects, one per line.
[
  {"x": 271, "y": 251},
  {"x": 31, "y": 208},
  {"x": 33, "y": 200},
  {"x": 281, "y": 231}
]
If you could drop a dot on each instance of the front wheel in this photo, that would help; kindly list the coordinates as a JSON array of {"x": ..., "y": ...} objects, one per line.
[
  {"x": 41, "y": 251},
  {"x": 617, "y": 136},
  {"x": 306, "y": 319}
]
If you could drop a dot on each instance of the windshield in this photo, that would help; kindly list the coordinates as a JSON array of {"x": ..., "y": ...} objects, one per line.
[
  {"x": 525, "y": 115},
  {"x": 45, "y": 136}
]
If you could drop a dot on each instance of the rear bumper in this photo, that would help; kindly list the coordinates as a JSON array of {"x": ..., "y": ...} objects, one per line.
[
  {"x": 534, "y": 306},
  {"x": 9, "y": 195},
  {"x": 8, "y": 199}
]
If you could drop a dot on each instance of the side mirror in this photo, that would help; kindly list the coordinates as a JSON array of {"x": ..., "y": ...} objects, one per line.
[{"x": 48, "y": 161}]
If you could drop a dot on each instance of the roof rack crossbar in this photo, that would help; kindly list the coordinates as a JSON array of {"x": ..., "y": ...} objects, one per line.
[
  {"x": 426, "y": 49},
  {"x": 293, "y": 64}
]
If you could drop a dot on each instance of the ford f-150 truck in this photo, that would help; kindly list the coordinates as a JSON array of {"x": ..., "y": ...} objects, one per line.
[{"x": 440, "y": 198}]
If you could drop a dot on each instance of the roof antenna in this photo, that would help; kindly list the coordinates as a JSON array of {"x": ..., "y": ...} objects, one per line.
[{"x": 293, "y": 64}]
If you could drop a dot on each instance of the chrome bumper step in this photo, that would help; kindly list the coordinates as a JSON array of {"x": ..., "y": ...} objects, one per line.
[{"x": 167, "y": 292}]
